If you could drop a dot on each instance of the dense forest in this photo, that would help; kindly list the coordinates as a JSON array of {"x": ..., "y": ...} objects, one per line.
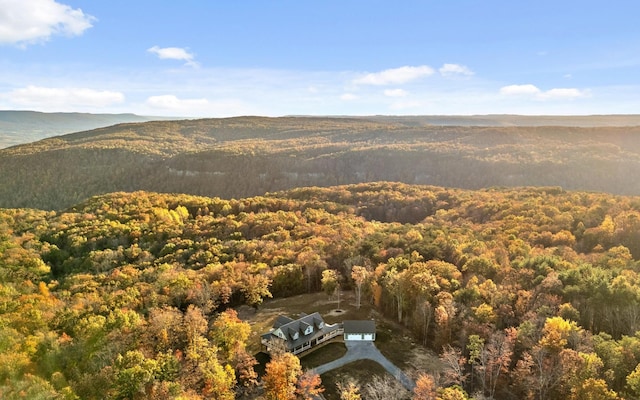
[
  {"x": 524, "y": 293},
  {"x": 250, "y": 156}
]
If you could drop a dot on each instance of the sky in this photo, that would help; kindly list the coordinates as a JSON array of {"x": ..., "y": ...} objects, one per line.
[{"x": 220, "y": 58}]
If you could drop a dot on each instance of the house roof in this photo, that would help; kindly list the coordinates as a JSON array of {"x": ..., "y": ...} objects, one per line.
[
  {"x": 281, "y": 320},
  {"x": 290, "y": 327},
  {"x": 359, "y": 326}
]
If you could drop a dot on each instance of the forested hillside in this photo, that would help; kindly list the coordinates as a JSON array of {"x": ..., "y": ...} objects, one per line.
[
  {"x": 249, "y": 156},
  {"x": 17, "y": 127},
  {"x": 524, "y": 293}
]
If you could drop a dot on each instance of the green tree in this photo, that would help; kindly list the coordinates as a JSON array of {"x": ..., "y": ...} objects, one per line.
[
  {"x": 477, "y": 359},
  {"x": 229, "y": 333},
  {"x": 633, "y": 381},
  {"x": 133, "y": 372}
]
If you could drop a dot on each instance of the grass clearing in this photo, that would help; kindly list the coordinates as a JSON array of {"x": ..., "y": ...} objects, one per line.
[
  {"x": 392, "y": 339},
  {"x": 328, "y": 353}
]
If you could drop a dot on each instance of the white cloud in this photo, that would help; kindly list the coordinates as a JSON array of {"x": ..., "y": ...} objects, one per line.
[
  {"x": 63, "y": 98},
  {"x": 395, "y": 93},
  {"x": 452, "y": 70},
  {"x": 551, "y": 94},
  {"x": 348, "y": 97},
  {"x": 564, "y": 93},
  {"x": 519, "y": 90},
  {"x": 174, "y": 53},
  {"x": 25, "y": 22},
  {"x": 395, "y": 76}
]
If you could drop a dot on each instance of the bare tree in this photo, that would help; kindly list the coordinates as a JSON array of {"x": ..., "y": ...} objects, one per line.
[
  {"x": 359, "y": 275},
  {"x": 385, "y": 388},
  {"x": 454, "y": 365}
]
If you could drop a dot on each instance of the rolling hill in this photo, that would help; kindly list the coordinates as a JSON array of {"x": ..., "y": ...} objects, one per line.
[
  {"x": 247, "y": 156},
  {"x": 17, "y": 127}
]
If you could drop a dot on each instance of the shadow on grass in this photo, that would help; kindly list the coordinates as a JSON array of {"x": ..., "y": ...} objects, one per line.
[{"x": 323, "y": 355}]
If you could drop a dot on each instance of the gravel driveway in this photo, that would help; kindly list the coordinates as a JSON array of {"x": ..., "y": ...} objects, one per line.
[{"x": 357, "y": 350}]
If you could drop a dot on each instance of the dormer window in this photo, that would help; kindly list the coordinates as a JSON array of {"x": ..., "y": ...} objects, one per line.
[
  {"x": 308, "y": 330},
  {"x": 321, "y": 325},
  {"x": 295, "y": 336}
]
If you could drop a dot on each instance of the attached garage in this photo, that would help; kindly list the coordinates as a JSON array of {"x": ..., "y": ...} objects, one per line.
[{"x": 361, "y": 330}]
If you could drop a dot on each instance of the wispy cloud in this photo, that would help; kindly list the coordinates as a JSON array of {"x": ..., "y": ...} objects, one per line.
[
  {"x": 534, "y": 92},
  {"x": 218, "y": 92},
  {"x": 62, "y": 99},
  {"x": 395, "y": 76},
  {"x": 34, "y": 21},
  {"x": 519, "y": 90},
  {"x": 564, "y": 93},
  {"x": 455, "y": 70},
  {"x": 174, "y": 53},
  {"x": 395, "y": 93}
]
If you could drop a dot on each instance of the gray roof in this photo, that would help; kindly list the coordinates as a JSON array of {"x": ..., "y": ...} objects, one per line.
[
  {"x": 299, "y": 326},
  {"x": 359, "y": 326},
  {"x": 281, "y": 320}
]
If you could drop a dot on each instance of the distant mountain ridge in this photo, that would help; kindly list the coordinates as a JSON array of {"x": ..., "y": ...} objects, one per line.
[
  {"x": 18, "y": 127},
  {"x": 250, "y": 156},
  {"x": 581, "y": 121}
]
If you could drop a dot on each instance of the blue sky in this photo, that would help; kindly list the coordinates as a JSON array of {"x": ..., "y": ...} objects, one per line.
[{"x": 249, "y": 57}]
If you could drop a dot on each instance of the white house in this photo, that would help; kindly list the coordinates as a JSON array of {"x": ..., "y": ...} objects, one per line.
[{"x": 363, "y": 330}]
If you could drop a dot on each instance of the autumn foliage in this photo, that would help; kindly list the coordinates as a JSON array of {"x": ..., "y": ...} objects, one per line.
[{"x": 523, "y": 293}]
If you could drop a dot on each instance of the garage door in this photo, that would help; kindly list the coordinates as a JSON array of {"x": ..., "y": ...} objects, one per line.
[
  {"x": 354, "y": 336},
  {"x": 368, "y": 336}
]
